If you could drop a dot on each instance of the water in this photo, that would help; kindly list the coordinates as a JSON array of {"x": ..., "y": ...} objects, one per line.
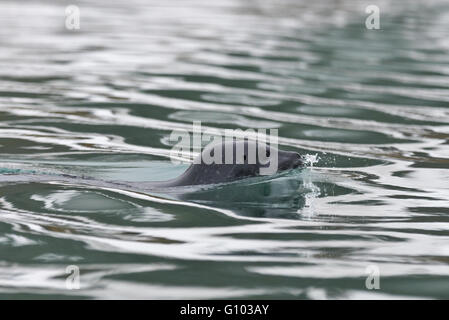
[{"x": 369, "y": 108}]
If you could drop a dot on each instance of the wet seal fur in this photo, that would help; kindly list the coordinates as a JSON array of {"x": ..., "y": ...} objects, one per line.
[{"x": 201, "y": 173}]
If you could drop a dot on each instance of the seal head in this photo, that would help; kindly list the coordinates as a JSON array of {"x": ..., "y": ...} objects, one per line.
[{"x": 229, "y": 161}]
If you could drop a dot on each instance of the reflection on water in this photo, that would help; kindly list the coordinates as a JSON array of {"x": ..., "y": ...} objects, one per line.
[{"x": 368, "y": 108}]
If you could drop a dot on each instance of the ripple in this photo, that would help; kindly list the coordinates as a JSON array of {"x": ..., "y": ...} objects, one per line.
[{"x": 367, "y": 108}]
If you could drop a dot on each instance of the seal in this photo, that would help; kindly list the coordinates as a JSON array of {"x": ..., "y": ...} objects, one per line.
[
  {"x": 219, "y": 163},
  {"x": 234, "y": 160}
]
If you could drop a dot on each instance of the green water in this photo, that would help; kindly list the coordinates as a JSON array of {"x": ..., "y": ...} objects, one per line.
[{"x": 101, "y": 101}]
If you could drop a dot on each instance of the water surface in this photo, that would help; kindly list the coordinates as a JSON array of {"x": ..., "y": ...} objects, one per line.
[{"x": 371, "y": 106}]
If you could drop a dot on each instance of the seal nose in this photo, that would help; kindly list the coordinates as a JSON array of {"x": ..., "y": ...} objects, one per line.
[{"x": 298, "y": 160}]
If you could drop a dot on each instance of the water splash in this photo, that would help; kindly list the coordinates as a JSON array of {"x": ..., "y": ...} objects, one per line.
[{"x": 311, "y": 159}]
